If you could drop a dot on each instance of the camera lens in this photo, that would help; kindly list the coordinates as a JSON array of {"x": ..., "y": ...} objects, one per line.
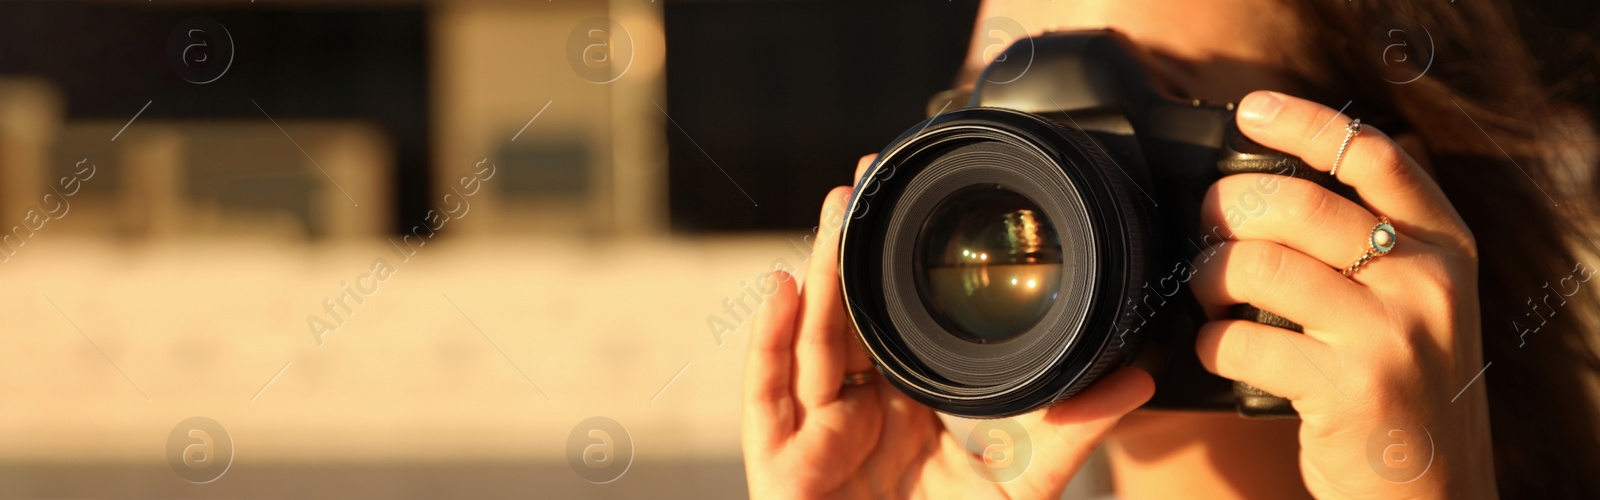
[
  {"x": 986, "y": 259},
  {"x": 991, "y": 264}
]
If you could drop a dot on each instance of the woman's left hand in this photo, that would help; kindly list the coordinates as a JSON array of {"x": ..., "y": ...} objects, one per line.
[{"x": 1385, "y": 375}]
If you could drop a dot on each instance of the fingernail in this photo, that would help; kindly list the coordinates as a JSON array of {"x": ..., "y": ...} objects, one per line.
[{"x": 1260, "y": 107}]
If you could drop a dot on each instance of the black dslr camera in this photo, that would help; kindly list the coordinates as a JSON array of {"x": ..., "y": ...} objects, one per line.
[{"x": 1007, "y": 253}]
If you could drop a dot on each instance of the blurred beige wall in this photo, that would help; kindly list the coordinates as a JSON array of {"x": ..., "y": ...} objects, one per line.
[{"x": 147, "y": 305}]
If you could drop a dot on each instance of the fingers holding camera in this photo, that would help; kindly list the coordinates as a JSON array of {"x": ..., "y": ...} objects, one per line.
[
  {"x": 1388, "y": 180},
  {"x": 1112, "y": 397},
  {"x": 862, "y": 165},
  {"x": 768, "y": 395},
  {"x": 1290, "y": 211},
  {"x": 1275, "y": 360},
  {"x": 822, "y": 349},
  {"x": 1282, "y": 280},
  {"x": 1070, "y": 430}
]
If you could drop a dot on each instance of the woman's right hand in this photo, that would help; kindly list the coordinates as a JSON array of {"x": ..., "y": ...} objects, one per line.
[{"x": 807, "y": 434}]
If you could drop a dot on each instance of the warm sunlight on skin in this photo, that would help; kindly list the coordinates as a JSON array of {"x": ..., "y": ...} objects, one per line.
[
  {"x": 1398, "y": 339},
  {"x": 1195, "y": 50}
]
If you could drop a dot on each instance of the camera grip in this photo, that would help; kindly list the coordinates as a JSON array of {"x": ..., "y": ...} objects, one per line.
[{"x": 1241, "y": 155}]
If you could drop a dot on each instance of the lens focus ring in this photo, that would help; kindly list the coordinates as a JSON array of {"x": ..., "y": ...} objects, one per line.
[{"x": 1027, "y": 201}]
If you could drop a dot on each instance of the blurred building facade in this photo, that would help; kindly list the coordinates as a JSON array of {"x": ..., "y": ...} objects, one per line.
[{"x": 196, "y": 261}]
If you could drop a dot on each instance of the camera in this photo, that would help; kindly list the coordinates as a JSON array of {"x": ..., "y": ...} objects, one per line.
[{"x": 1011, "y": 250}]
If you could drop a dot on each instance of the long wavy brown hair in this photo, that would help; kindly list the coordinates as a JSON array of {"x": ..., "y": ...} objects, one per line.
[{"x": 1518, "y": 164}]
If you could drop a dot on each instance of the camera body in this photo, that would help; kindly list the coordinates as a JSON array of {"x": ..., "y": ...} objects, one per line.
[{"x": 1079, "y": 184}]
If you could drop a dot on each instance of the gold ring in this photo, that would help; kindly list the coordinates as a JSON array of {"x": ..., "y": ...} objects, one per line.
[
  {"x": 1380, "y": 241},
  {"x": 858, "y": 378}
]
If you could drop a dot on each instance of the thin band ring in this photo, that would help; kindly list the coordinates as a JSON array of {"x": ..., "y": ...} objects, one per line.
[
  {"x": 1350, "y": 132},
  {"x": 1380, "y": 241},
  {"x": 862, "y": 377}
]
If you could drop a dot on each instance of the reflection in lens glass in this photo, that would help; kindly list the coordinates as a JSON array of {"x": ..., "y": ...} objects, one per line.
[{"x": 991, "y": 263}]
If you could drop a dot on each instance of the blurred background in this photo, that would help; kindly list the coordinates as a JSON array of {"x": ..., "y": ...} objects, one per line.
[
  {"x": 254, "y": 213},
  {"x": 411, "y": 248}
]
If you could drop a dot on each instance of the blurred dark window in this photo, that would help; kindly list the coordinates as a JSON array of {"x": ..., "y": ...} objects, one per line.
[
  {"x": 785, "y": 95},
  {"x": 547, "y": 169},
  {"x": 300, "y": 61}
]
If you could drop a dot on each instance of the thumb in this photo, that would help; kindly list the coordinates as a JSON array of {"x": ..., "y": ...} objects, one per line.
[{"x": 1071, "y": 429}]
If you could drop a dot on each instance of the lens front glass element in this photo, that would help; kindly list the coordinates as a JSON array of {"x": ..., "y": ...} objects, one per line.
[{"x": 990, "y": 264}]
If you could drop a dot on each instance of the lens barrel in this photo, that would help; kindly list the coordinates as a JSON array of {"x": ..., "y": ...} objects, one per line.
[{"x": 987, "y": 259}]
